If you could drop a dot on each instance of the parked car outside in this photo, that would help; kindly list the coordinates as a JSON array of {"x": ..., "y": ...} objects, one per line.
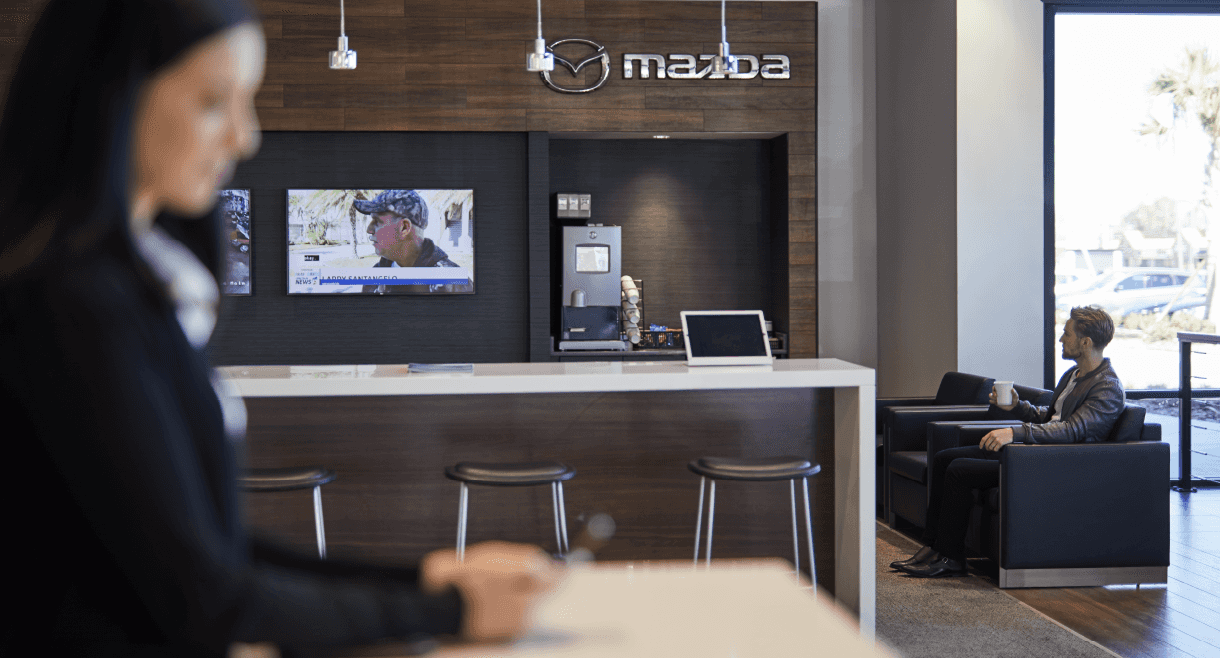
[
  {"x": 1068, "y": 282},
  {"x": 1140, "y": 290}
]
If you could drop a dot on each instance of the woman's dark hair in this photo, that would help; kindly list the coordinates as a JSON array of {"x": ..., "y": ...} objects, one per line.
[
  {"x": 1093, "y": 323},
  {"x": 66, "y": 133}
]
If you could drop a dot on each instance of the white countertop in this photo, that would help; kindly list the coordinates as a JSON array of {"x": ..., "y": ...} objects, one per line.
[{"x": 578, "y": 377}]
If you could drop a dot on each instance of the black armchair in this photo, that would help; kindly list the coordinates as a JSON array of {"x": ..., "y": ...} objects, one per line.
[
  {"x": 1073, "y": 515},
  {"x": 956, "y": 389},
  {"x": 908, "y": 445}
]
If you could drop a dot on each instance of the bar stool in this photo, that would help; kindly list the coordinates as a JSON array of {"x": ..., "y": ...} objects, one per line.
[
  {"x": 291, "y": 479},
  {"x": 756, "y": 470},
  {"x": 516, "y": 474}
]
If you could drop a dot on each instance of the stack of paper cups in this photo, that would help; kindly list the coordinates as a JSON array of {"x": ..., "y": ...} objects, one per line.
[{"x": 633, "y": 315}]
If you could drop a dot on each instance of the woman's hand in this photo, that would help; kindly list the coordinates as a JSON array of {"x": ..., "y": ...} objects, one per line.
[{"x": 499, "y": 582}]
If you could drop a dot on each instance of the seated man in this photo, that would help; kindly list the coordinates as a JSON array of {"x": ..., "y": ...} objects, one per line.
[{"x": 1087, "y": 403}]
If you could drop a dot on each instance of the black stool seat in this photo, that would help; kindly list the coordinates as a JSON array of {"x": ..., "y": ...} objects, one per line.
[
  {"x": 512, "y": 474},
  {"x": 285, "y": 479},
  {"x": 754, "y": 468}
]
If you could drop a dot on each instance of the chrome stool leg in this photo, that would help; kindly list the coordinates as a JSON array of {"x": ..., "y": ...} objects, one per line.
[
  {"x": 796, "y": 548},
  {"x": 463, "y": 498},
  {"x": 813, "y": 574},
  {"x": 711, "y": 516},
  {"x": 699, "y": 520},
  {"x": 555, "y": 516},
  {"x": 563, "y": 519},
  {"x": 317, "y": 521}
]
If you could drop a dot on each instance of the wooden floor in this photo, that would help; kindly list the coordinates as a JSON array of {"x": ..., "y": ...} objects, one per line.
[{"x": 1181, "y": 618}]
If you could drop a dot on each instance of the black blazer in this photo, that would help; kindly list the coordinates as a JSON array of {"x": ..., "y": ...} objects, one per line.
[{"x": 124, "y": 523}]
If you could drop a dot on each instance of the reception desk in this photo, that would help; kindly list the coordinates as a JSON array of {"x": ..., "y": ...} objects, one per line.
[{"x": 627, "y": 427}]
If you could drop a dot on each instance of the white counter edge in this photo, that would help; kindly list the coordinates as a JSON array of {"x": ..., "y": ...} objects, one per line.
[{"x": 544, "y": 382}]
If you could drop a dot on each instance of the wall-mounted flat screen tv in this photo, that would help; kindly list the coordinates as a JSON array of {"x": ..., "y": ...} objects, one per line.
[
  {"x": 378, "y": 242},
  {"x": 234, "y": 206}
]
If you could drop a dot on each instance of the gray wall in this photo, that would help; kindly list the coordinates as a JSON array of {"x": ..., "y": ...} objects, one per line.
[
  {"x": 950, "y": 108},
  {"x": 917, "y": 169},
  {"x": 1000, "y": 189},
  {"x": 847, "y": 182}
]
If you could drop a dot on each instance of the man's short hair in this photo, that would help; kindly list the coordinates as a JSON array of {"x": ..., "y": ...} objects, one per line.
[
  {"x": 1095, "y": 324},
  {"x": 403, "y": 203}
]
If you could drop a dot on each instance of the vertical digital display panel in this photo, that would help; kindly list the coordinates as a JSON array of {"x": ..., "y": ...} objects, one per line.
[{"x": 234, "y": 207}]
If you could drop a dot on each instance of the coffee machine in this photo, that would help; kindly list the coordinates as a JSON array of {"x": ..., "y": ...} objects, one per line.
[{"x": 592, "y": 269}]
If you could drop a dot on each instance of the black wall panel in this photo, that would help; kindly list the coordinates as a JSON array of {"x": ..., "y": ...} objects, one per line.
[
  {"x": 272, "y": 328},
  {"x": 696, "y": 217}
]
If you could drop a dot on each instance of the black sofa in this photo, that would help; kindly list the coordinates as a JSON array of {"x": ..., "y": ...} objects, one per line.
[
  {"x": 1073, "y": 515},
  {"x": 957, "y": 389},
  {"x": 906, "y": 449}
]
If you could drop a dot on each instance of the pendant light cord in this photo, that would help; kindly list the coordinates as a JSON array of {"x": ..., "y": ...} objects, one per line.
[
  {"x": 343, "y": 22},
  {"x": 539, "y": 19},
  {"x": 724, "y": 35}
]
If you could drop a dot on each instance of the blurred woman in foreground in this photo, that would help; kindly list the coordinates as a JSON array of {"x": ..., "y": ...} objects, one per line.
[{"x": 123, "y": 120}]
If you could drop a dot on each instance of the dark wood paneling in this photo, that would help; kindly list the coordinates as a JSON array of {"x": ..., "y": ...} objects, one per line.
[
  {"x": 645, "y": 9},
  {"x": 802, "y": 231},
  {"x": 750, "y": 121},
  {"x": 731, "y": 95},
  {"x": 802, "y": 142},
  {"x": 433, "y": 119},
  {"x": 391, "y": 501},
  {"x": 597, "y": 29},
  {"x": 396, "y": 96},
  {"x": 289, "y": 118},
  {"x": 270, "y": 96},
  {"x": 803, "y": 253},
  {"x": 369, "y": 32},
  {"x": 617, "y": 120},
  {"x": 316, "y": 72},
  {"x": 328, "y": 8},
  {"x": 685, "y": 29}
]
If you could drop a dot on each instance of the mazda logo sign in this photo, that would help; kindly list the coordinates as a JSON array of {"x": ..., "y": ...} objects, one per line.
[{"x": 599, "y": 55}]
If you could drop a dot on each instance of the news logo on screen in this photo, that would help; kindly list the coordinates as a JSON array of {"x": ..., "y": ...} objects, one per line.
[
  {"x": 234, "y": 208},
  {"x": 380, "y": 242}
]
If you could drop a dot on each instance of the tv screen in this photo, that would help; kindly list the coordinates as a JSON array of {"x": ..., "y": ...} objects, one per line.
[
  {"x": 378, "y": 242},
  {"x": 234, "y": 206}
]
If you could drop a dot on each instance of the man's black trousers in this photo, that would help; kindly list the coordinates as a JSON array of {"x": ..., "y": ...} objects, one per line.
[{"x": 955, "y": 472}]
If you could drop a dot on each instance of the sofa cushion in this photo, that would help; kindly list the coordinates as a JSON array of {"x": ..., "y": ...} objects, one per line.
[
  {"x": 961, "y": 388},
  {"x": 1129, "y": 426},
  {"x": 910, "y": 465}
]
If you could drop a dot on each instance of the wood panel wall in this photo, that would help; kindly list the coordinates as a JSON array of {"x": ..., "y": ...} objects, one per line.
[{"x": 458, "y": 65}]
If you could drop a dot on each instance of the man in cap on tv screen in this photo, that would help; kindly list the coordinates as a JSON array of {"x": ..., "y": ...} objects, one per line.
[{"x": 397, "y": 219}]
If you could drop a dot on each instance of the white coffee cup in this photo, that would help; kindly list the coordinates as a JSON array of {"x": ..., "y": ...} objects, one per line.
[{"x": 1003, "y": 393}]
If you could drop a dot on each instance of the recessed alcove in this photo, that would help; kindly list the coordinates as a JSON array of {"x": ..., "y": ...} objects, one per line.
[{"x": 704, "y": 224}]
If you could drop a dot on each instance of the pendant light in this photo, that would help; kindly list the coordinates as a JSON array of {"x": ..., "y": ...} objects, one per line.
[
  {"x": 724, "y": 63},
  {"x": 539, "y": 60},
  {"x": 342, "y": 58}
]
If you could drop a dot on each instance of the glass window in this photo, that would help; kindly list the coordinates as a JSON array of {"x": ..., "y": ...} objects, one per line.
[{"x": 1133, "y": 202}]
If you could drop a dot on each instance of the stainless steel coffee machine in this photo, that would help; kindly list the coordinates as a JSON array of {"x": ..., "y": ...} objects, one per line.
[{"x": 592, "y": 269}]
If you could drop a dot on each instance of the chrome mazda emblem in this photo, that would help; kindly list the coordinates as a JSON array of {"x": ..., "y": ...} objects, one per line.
[{"x": 599, "y": 55}]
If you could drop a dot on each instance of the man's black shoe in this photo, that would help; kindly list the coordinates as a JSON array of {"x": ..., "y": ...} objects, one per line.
[
  {"x": 941, "y": 567},
  {"x": 921, "y": 558}
]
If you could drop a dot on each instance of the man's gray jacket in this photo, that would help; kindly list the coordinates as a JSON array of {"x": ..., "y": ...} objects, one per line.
[{"x": 1089, "y": 411}]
